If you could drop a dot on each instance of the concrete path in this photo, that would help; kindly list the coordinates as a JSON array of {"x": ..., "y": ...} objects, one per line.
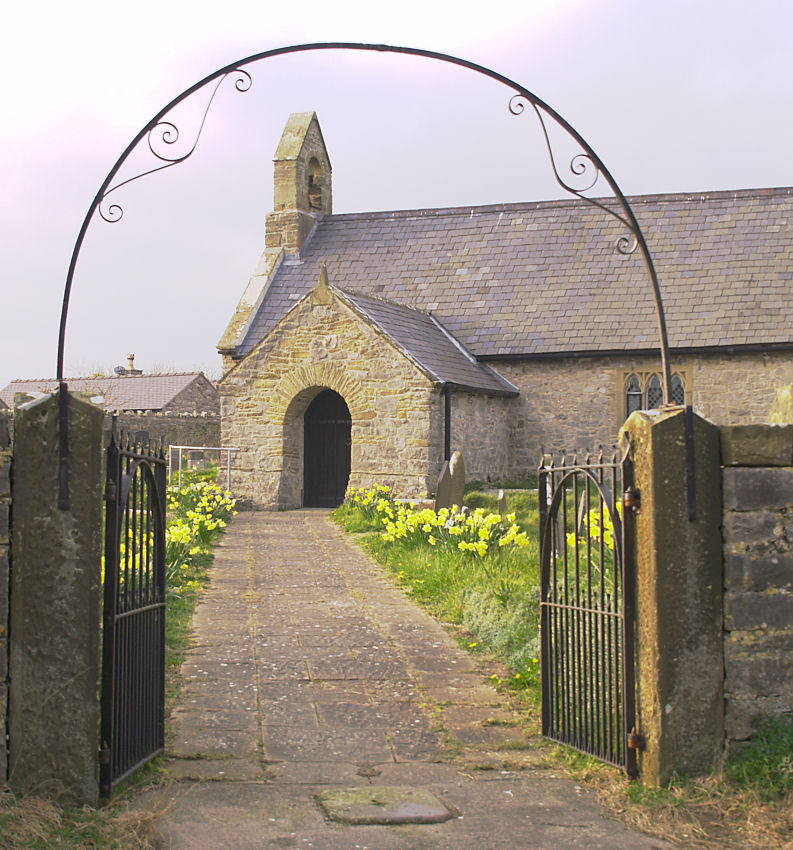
[{"x": 313, "y": 674}]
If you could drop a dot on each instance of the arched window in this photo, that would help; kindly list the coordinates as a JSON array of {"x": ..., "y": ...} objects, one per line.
[
  {"x": 633, "y": 395},
  {"x": 654, "y": 395},
  {"x": 677, "y": 390}
]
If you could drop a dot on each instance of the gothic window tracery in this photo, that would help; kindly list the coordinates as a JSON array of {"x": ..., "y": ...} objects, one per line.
[{"x": 643, "y": 391}]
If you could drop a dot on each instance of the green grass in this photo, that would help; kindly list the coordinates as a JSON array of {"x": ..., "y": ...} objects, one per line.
[
  {"x": 527, "y": 482},
  {"x": 179, "y": 612},
  {"x": 765, "y": 764}
]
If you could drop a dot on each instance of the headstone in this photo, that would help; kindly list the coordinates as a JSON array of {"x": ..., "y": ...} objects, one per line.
[
  {"x": 502, "y": 503},
  {"x": 443, "y": 492},
  {"x": 195, "y": 460},
  {"x": 457, "y": 470},
  {"x": 451, "y": 483}
]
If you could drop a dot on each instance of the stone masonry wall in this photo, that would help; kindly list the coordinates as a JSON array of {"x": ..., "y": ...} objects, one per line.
[
  {"x": 174, "y": 429},
  {"x": 579, "y": 403},
  {"x": 6, "y": 423},
  {"x": 757, "y": 478},
  {"x": 480, "y": 427},
  {"x": 738, "y": 389},
  {"x": 563, "y": 404},
  {"x": 396, "y": 411}
]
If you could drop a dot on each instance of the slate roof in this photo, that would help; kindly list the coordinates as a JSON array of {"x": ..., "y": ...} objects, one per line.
[
  {"x": 122, "y": 392},
  {"x": 544, "y": 278},
  {"x": 425, "y": 341}
]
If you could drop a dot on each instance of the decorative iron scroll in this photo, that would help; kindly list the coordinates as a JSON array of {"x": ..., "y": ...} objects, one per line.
[
  {"x": 167, "y": 133},
  {"x": 581, "y": 164}
]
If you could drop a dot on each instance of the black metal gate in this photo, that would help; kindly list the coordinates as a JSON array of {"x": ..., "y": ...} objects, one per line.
[
  {"x": 586, "y": 606},
  {"x": 133, "y": 617}
]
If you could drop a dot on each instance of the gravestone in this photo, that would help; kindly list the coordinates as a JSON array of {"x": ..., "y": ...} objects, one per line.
[
  {"x": 451, "y": 483},
  {"x": 196, "y": 460}
]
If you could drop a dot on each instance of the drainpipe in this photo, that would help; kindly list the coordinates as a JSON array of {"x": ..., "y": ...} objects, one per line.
[{"x": 447, "y": 422}]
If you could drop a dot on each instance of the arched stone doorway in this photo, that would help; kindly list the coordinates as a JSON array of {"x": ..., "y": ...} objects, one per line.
[{"x": 327, "y": 429}]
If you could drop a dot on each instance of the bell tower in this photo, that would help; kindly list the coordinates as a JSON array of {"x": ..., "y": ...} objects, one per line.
[
  {"x": 302, "y": 186},
  {"x": 301, "y": 195}
]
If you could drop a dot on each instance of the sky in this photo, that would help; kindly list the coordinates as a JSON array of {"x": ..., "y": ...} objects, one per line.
[{"x": 674, "y": 96}]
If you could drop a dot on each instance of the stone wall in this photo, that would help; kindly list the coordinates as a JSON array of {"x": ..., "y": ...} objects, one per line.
[
  {"x": 6, "y": 423},
  {"x": 175, "y": 429},
  {"x": 480, "y": 427},
  {"x": 396, "y": 410},
  {"x": 579, "y": 403},
  {"x": 738, "y": 389},
  {"x": 782, "y": 409},
  {"x": 563, "y": 404},
  {"x": 758, "y": 574}
]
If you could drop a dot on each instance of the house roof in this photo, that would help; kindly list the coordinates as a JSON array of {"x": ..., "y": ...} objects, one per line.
[
  {"x": 426, "y": 342},
  {"x": 120, "y": 392},
  {"x": 544, "y": 278}
]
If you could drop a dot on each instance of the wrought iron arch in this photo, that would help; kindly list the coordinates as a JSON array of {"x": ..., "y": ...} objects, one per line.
[{"x": 160, "y": 133}]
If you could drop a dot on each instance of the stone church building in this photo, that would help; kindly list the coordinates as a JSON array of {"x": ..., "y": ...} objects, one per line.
[{"x": 367, "y": 346}]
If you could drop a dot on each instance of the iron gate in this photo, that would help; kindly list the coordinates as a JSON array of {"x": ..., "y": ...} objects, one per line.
[
  {"x": 133, "y": 617},
  {"x": 586, "y": 607}
]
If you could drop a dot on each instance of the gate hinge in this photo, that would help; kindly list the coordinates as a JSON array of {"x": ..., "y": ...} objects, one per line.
[
  {"x": 633, "y": 499},
  {"x": 110, "y": 492},
  {"x": 104, "y": 754},
  {"x": 635, "y": 740}
]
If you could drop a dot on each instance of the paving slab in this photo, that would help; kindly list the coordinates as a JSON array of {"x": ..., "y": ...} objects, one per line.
[
  {"x": 312, "y": 675},
  {"x": 386, "y": 805}
]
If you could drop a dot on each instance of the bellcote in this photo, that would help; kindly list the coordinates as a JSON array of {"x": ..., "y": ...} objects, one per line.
[
  {"x": 301, "y": 194},
  {"x": 302, "y": 187}
]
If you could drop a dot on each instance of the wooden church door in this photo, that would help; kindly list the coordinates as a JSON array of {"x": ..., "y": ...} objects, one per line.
[{"x": 326, "y": 456}]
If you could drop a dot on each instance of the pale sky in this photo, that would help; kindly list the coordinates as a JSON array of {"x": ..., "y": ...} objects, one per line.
[{"x": 673, "y": 96}]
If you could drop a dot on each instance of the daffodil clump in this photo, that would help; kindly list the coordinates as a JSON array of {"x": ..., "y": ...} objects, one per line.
[
  {"x": 369, "y": 500},
  {"x": 197, "y": 514},
  {"x": 477, "y": 531},
  {"x": 594, "y": 548},
  {"x": 592, "y": 528}
]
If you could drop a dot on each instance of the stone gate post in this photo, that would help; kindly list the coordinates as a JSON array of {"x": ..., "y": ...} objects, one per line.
[
  {"x": 678, "y": 633},
  {"x": 53, "y": 721}
]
